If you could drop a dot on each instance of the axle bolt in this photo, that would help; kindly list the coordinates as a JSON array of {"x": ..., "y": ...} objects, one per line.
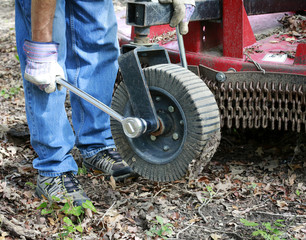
[
  {"x": 182, "y": 122},
  {"x": 157, "y": 99},
  {"x": 166, "y": 148},
  {"x": 171, "y": 109},
  {"x": 175, "y": 136},
  {"x": 153, "y": 138}
]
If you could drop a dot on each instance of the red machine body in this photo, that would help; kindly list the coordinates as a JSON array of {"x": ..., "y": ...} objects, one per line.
[
  {"x": 225, "y": 44},
  {"x": 266, "y": 84}
]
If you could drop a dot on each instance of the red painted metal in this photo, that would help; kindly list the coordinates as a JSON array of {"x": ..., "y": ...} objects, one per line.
[
  {"x": 193, "y": 41},
  {"x": 300, "y": 56},
  {"x": 204, "y": 46},
  {"x": 237, "y": 31}
]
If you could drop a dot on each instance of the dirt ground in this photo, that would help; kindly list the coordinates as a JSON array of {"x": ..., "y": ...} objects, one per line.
[{"x": 257, "y": 175}]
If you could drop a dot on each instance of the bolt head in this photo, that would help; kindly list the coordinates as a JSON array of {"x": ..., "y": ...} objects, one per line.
[
  {"x": 175, "y": 136},
  {"x": 153, "y": 138},
  {"x": 166, "y": 148},
  {"x": 171, "y": 109}
]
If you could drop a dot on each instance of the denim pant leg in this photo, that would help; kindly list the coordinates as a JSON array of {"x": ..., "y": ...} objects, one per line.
[
  {"x": 92, "y": 52},
  {"x": 51, "y": 134}
]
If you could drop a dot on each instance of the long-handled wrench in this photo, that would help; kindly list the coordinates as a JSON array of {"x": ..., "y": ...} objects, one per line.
[
  {"x": 133, "y": 127},
  {"x": 181, "y": 46}
]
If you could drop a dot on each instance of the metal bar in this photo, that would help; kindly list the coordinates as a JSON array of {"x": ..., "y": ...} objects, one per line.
[
  {"x": 256, "y": 7},
  {"x": 133, "y": 127},
  {"x": 145, "y": 14},
  {"x": 181, "y": 46},
  {"x": 131, "y": 64},
  {"x": 148, "y": 13},
  {"x": 90, "y": 99}
]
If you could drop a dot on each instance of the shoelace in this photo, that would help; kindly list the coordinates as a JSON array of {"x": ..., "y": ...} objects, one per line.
[
  {"x": 70, "y": 182},
  {"x": 114, "y": 155}
]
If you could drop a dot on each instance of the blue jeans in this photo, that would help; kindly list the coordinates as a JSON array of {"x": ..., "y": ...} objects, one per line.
[{"x": 87, "y": 33}]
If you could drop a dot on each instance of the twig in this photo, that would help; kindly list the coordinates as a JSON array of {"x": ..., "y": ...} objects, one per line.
[
  {"x": 211, "y": 230},
  {"x": 16, "y": 230},
  {"x": 158, "y": 192},
  {"x": 255, "y": 63},
  {"x": 183, "y": 230},
  {"x": 101, "y": 219},
  {"x": 282, "y": 215},
  {"x": 199, "y": 209}
]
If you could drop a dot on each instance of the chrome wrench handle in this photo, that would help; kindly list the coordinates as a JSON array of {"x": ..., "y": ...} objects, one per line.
[
  {"x": 133, "y": 127},
  {"x": 180, "y": 42}
]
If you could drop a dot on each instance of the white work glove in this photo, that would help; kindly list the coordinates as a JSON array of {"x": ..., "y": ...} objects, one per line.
[
  {"x": 41, "y": 65},
  {"x": 183, "y": 9}
]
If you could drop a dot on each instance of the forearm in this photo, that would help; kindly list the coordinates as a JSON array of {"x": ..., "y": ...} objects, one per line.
[{"x": 42, "y": 15}]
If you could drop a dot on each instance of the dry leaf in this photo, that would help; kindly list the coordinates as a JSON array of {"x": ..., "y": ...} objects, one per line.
[
  {"x": 281, "y": 204},
  {"x": 290, "y": 39},
  {"x": 88, "y": 212},
  {"x": 259, "y": 151},
  {"x": 292, "y": 179},
  {"x": 112, "y": 182},
  {"x": 215, "y": 236},
  {"x": 298, "y": 228}
]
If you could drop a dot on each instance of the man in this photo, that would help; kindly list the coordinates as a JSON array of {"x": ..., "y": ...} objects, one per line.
[{"x": 75, "y": 40}]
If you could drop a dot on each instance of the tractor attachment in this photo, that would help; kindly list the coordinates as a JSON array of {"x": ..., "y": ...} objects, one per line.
[
  {"x": 181, "y": 113},
  {"x": 255, "y": 70},
  {"x": 162, "y": 115}
]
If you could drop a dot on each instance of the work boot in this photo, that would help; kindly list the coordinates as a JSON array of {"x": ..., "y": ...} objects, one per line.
[
  {"x": 109, "y": 162},
  {"x": 65, "y": 186}
]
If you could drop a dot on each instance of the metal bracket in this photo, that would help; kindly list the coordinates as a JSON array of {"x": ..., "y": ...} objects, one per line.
[
  {"x": 150, "y": 13},
  {"x": 131, "y": 64}
]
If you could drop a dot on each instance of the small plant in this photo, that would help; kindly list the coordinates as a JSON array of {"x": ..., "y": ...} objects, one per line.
[
  {"x": 160, "y": 229},
  {"x": 69, "y": 210},
  {"x": 30, "y": 185},
  {"x": 10, "y": 93},
  {"x": 252, "y": 187},
  {"x": 268, "y": 231},
  {"x": 210, "y": 191},
  {"x": 82, "y": 170},
  {"x": 16, "y": 56}
]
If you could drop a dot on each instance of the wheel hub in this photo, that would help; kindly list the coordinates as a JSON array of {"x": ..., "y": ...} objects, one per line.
[{"x": 165, "y": 144}]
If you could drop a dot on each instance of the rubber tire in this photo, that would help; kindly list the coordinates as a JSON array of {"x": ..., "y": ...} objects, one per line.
[{"x": 200, "y": 109}]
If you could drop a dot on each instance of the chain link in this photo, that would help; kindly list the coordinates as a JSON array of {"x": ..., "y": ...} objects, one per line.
[{"x": 266, "y": 105}]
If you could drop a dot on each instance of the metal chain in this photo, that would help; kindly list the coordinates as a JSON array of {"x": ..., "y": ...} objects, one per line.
[{"x": 260, "y": 105}]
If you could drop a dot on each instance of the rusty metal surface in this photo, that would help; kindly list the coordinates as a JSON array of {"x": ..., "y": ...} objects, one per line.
[{"x": 255, "y": 100}]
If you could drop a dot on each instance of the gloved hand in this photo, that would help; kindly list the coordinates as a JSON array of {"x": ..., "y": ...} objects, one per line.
[
  {"x": 41, "y": 65},
  {"x": 183, "y": 9}
]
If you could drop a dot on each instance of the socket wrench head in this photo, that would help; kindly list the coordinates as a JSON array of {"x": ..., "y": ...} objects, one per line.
[{"x": 134, "y": 127}]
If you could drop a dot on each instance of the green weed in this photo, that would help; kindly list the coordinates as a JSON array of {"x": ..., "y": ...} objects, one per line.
[
  {"x": 160, "y": 229},
  {"x": 267, "y": 230},
  {"x": 69, "y": 210},
  {"x": 9, "y": 93}
]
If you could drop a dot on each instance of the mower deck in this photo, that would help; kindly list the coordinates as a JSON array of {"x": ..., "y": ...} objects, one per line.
[{"x": 275, "y": 53}]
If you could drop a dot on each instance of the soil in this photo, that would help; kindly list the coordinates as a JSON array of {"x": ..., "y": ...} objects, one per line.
[{"x": 257, "y": 175}]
